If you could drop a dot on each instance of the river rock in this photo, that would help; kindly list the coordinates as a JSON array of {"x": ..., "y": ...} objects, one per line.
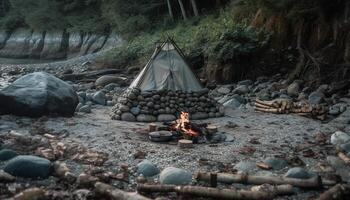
[
  {"x": 346, "y": 147},
  {"x": 293, "y": 89},
  {"x": 199, "y": 115},
  {"x": 241, "y": 89},
  {"x": 100, "y": 98},
  {"x": 316, "y": 97},
  {"x": 29, "y": 167},
  {"x": 232, "y": 103},
  {"x": 111, "y": 86},
  {"x": 128, "y": 117},
  {"x": 246, "y": 166},
  {"x": 146, "y": 118},
  {"x": 339, "y": 138},
  {"x": 166, "y": 117},
  {"x": 175, "y": 176},
  {"x": 147, "y": 168},
  {"x": 38, "y": 94},
  {"x": 225, "y": 89},
  {"x": 135, "y": 110},
  {"x": 276, "y": 163},
  {"x": 6, "y": 154},
  {"x": 107, "y": 79},
  {"x": 85, "y": 109},
  {"x": 298, "y": 172}
]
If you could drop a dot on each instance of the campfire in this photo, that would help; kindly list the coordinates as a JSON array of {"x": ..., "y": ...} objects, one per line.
[{"x": 184, "y": 126}]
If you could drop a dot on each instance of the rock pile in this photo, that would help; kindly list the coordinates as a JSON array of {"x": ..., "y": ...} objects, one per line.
[{"x": 148, "y": 106}]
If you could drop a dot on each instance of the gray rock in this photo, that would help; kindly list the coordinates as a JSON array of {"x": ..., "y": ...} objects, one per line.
[
  {"x": 339, "y": 138},
  {"x": 38, "y": 94},
  {"x": 241, "y": 89},
  {"x": 225, "y": 89},
  {"x": 316, "y": 97},
  {"x": 111, "y": 86},
  {"x": 100, "y": 98},
  {"x": 175, "y": 176},
  {"x": 29, "y": 167},
  {"x": 245, "y": 82},
  {"x": 125, "y": 108},
  {"x": 334, "y": 110},
  {"x": 346, "y": 147},
  {"x": 276, "y": 163},
  {"x": 166, "y": 117},
  {"x": 110, "y": 103},
  {"x": 229, "y": 138},
  {"x": 293, "y": 89},
  {"x": 6, "y": 154},
  {"x": 246, "y": 166},
  {"x": 135, "y": 110},
  {"x": 85, "y": 109},
  {"x": 147, "y": 168},
  {"x": 146, "y": 118},
  {"x": 298, "y": 172},
  {"x": 107, "y": 79},
  {"x": 199, "y": 115},
  {"x": 232, "y": 103},
  {"x": 128, "y": 117}
]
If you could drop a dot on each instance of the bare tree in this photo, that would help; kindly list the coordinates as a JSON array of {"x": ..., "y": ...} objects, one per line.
[
  {"x": 170, "y": 9},
  {"x": 183, "y": 11},
  {"x": 194, "y": 6}
]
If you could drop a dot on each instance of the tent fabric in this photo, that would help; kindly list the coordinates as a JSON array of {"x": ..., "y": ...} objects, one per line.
[{"x": 166, "y": 70}]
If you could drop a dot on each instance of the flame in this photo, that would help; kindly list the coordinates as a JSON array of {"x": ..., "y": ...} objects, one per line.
[{"x": 181, "y": 124}]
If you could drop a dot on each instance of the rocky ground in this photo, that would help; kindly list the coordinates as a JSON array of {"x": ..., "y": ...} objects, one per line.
[{"x": 292, "y": 145}]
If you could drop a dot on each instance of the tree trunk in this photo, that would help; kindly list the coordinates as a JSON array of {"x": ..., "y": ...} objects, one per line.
[
  {"x": 195, "y": 9},
  {"x": 183, "y": 11},
  {"x": 170, "y": 10}
]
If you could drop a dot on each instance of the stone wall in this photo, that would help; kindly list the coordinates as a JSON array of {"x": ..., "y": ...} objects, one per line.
[
  {"x": 24, "y": 43},
  {"x": 148, "y": 106}
]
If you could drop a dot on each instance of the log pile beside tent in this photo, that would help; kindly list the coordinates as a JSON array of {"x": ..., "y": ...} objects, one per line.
[{"x": 165, "y": 87}]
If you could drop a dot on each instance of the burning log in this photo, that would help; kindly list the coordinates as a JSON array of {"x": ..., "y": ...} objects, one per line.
[
  {"x": 216, "y": 193},
  {"x": 117, "y": 194},
  {"x": 339, "y": 191},
  {"x": 185, "y": 144},
  {"x": 314, "y": 182}
]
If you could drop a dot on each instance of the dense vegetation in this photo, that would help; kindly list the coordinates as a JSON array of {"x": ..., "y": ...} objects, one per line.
[{"x": 250, "y": 37}]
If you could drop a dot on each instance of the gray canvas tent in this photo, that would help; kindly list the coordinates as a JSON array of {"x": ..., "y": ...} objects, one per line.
[{"x": 167, "y": 70}]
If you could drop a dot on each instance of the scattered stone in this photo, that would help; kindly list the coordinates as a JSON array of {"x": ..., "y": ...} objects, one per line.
[
  {"x": 276, "y": 163},
  {"x": 293, "y": 89},
  {"x": 334, "y": 110},
  {"x": 135, "y": 110},
  {"x": 232, "y": 103},
  {"x": 175, "y": 176},
  {"x": 146, "y": 118},
  {"x": 245, "y": 166},
  {"x": 111, "y": 86},
  {"x": 128, "y": 117},
  {"x": 6, "y": 154},
  {"x": 166, "y": 117},
  {"x": 241, "y": 89},
  {"x": 107, "y": 79},
  {"x": 346, "y": 147},
  {"x": 245, "y": 82},
  {"x": 110, "y": 103},
  {"x": 147, "y": 168},
  {"x": 29, "y": 167},
  {"x": 339, "y": 138},
  {"x": 298, "y": 172},
  {"x": 225, "y": 89},
  {"x": 316, "y": 97},
  {"x": 85, "y": 109},
  {"x": 99, "y": 97}
]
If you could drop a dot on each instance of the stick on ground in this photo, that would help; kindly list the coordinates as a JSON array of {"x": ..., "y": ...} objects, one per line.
[{"x": 117, "y": 194}]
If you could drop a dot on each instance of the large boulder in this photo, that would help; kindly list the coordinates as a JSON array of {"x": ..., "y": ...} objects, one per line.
[
  {"x": 147, "y": 168},
  {"x": 175, "y": 176},
  {"x": 38, "y": 94},
  {"x": 29, "y": 167}
]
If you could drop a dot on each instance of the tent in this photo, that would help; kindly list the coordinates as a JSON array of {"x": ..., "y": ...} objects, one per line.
[{"x": 167, "y": 70}]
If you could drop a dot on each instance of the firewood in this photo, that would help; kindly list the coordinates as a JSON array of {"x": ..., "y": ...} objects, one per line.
[
  {"x": 29, "y": 194},
  {"x": 152, "y": 127},
  {"x": 216, "y": 193},
  {"x": 263, "y": 166},
  {"x": 339, "y": 191},
  {"x": 212, "y": 129},
  {"x": 270, "y": 110},
  {"x": 314, "y": 182},
  {"x": 185, "y": 143},
  {"x": 62, "y": 171},
  {"x": 116, "y": 194},
  {"x": 344, "y": 157}
]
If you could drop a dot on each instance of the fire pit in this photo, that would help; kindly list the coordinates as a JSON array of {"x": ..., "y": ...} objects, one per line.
[{"x": 182, "y": 129}]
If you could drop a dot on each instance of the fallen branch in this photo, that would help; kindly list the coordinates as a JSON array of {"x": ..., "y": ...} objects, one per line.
[
  {"x": 339, "y": 191},
  {"x": 31, "y": 193},
  {"x": 117, "y": 194},
  {"x": 314, "y": 182},
  {"x": 216, "y": 193}
]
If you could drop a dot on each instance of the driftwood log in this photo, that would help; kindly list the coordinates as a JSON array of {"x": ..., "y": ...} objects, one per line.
[
  {"x": 89, "y": 75},
  {"x": 30, "y": 194},
  {"x": 344, "y": 157},
  {"x": 339, "y": 191},
  {"x": 116, "y": 194},
  {"x": 216, "y": 193},
  {"x": 314, "y": 182}
]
